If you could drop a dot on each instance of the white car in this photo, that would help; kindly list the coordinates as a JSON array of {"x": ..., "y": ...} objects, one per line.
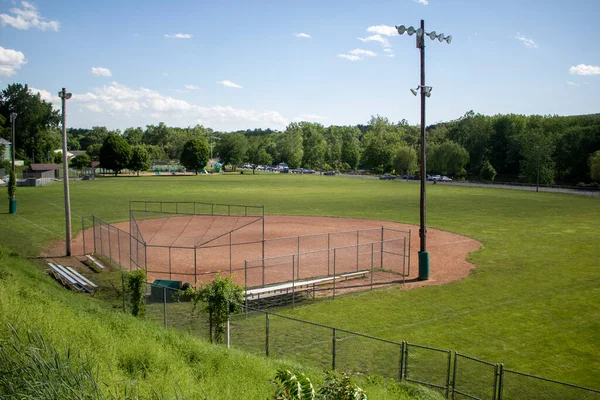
[{"x": 445, "y": 179}]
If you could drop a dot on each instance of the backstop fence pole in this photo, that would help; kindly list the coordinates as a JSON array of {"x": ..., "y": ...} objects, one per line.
[
  {"x": 404, "y": 263},
  {"x": 94, "y": 231},
  {"x": 130, "y": 237},
  {"x": 328, "y": 251},
  {"x": 109, "y": 245},
  {"x": 230, "y": 271},
  {"x": 246, "y": 287},
  {"x": 298, "y": 268},
  {"x": 165, "y": 305},
  {"x": 372, "y": 262},
  {"x": 101, "y": 242},
  {"x": 381, "y": 258},
  {"x": 409, "y": 235},
  {"x": 169, "y": 262},
  {"x": 195, "y": 270},
  {"x": 333, "y": 349},
  {"x": 334, "y": 257},
  {"x": 263, "y": 245},
  {"x": 293, "y": 283},
  {"x": 357, "y": 241},
  {"x": 83, "y": 234},
  {"x": 119, "y": 248},
  {"x": 267, "y": 334}
]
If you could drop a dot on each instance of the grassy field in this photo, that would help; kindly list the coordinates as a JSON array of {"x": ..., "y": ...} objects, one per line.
[{"x": 532, "y": 303}]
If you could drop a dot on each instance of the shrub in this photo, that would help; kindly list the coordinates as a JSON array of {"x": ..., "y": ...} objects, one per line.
[
  {"x": 488, "y": 173},
  {"x": 136, "y": 285}
]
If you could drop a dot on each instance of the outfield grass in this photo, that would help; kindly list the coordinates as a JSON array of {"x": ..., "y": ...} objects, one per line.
[{"x": 532, "y": 303}]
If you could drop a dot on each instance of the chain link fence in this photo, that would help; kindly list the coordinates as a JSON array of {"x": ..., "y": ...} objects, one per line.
[{"x": 273, "y": 335}]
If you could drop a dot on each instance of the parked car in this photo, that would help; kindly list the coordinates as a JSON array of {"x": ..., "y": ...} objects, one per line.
[
  {"x": 446, "y": 179},
  {"x": 329, "y": 173},
  {"x": 409, "y": 177},
  {"x": 387, "y": 177}
]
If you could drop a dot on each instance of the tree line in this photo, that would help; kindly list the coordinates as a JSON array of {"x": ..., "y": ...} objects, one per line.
[{"x": 503, "y": 147}]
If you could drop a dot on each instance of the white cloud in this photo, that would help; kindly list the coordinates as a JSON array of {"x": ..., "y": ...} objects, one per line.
[
  {"x": 45, "y": 95},
  {"x": 179, "y": 36},
  {"x": 376, "y": 38},
  {"x": 583, "y": 69},
  {"x": 100, "y": 71},
  {"x": 528, "y": 42},
  {"x": 385, "y": 30},
  {"x": 230, "y": 84},
  {"x": 349, "y": 57},
  {"x": 10, "y": 61},
  {"x": 192, "y": 87},
  {"x": 122, "y": 101},
  {"x": 424, "y": 2},
  {"x": 28, "y": 17},
  {"x": 361, "y": 52},
  {"x": 572, "y": 83},
  {"x": 303, "y": 35}
]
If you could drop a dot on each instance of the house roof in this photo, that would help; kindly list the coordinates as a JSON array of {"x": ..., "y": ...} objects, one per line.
[
  {"x": 44, "y": 167},
  {"x": 4, "y": 141},
  {"x": 95, "y": 164}
]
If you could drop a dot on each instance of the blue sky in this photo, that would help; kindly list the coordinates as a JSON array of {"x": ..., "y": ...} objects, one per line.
[{"x": 246, "y": 64}]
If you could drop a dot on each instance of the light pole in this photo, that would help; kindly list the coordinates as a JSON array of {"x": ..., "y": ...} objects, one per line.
[
  {"x": 425, "y": 92},
  {"x": 64, "y": 97},
  {"x": 537, "y": 180},
  {"x": 13, "y": 201}
]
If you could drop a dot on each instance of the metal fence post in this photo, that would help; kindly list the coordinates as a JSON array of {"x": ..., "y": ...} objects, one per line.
[
  {"x": 165, "y": 305},
  {"x": 298, "y": 268},
  {"x": 500, "y": 381},
  {"x": 109, "y": 245},
  {"x": 228, "y": 333},
  {"x": 404, "y": 263},
  {"x": 123, "y": 291},
  {"x": 448, "y": 373},
  {"x": 94, "y": 230},
  {"x": 119, "y": 248},
  {"x": 409, "y": 236},
  {"x": 400, "y": 361},
  {"x": 101, "y": 241},
  {"x": 246, "y": 286},
  {"x": 334, "y": 257},
  {"x": 381, "y": 258},
  {"x": 230, "y": 253},
  {"x": 333, "y": 349},
  {"x": 372, "y": 262},
  {"x": 195, "y": 270},
  {"x": 496, "y": 371},
  {"x": 83, "y": 233},
  {"x": 454, "y": 376},
  {"x": 267, "y": 334},
  {"x": 293, "y": 283},
  {"x": 328, "y": 251},
  {"x": 357, "y": 243}
]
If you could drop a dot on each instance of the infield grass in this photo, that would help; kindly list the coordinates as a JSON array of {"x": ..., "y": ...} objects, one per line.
[{"x": 533, "y": 302}]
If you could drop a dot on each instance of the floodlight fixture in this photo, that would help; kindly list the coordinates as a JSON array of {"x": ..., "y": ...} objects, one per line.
[
  {"x": 401, "y": 29},
  {"x": 448, "y": 39},
  {"x": 441, "y": 37},
  {"x": 432, "y": 35},
  {"x": 419, "y": 32},
  {"x": 13, "y": 116},
  {"x": 415, "y": 91},
  {"x": 410, "y": 31}
]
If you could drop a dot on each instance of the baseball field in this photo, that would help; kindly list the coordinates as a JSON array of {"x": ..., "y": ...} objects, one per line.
[{"x": 532, "y": 301}]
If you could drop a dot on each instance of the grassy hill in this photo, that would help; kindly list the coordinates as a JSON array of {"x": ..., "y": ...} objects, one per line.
[{"x": 58, "y": 344}]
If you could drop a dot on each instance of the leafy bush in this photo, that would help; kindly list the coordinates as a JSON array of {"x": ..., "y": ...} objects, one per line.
[
  {"x": 488, "y": 173},
  {"x": 136, "y": 285},
  {"x": 12, "y": 184},
  {"x": 219, "y": 298},
  {"x": 297, "y": 386}
]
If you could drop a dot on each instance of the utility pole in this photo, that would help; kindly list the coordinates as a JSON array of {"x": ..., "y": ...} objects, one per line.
[{"x": 64, "y": 97}]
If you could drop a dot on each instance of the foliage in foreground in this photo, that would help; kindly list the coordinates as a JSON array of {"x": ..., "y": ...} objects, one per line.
[
  {"x": 297, "y": 386},
  {"x": 136, "y": 285},
  {"x": 219, "y": 298}
]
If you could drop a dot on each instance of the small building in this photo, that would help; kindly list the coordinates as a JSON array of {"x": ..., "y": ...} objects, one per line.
[
  {"x": 7, "y": 149},
  {"x": 39, "y": 174}
]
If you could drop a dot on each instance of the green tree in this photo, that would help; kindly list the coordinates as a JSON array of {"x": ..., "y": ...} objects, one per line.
[
  {"x": 290, "y": 145},
  {"x": 81, "y": 161},
  {"x": 452, "y": 159},
  {"x": 405, "y": 160},
  {"x": 314, "y": 145},
  {"x": 350, "y": 146},
  {"x": 232, "y": 149},
  {"x": 195, "y": 154},
  {"x": 594, "y": 163},
  {"x": 12, "y": 184},
  {"x": 487, "y": 173},
  {"x": 36, "y": 125},
  {"x": 133, "y": 136},
  {"x": 115, "y": 153},
  {"x": 136, "y": 285},
  {"x": 380, "y": 143},
  {"x": 94, "y": 151},
  {"x": 140, "y": 159},
  {"x": 57, "y": 157},
  {"x": 219, "y": 298},
  {"x": 257, "y": 150}
]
